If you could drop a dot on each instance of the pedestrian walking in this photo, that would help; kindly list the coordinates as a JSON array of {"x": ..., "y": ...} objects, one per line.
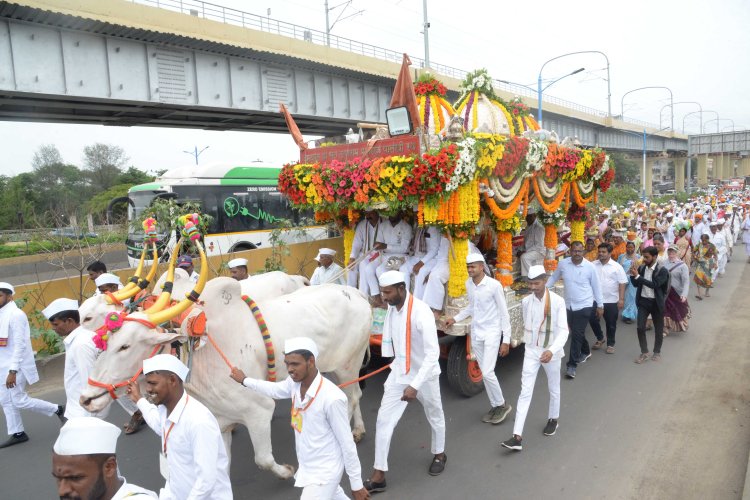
[
  {"x": 17, "y": 362},
  {"x": 676, "y": 307},
  {"x": 629, "y": 259},
  {"x": 490, "y": 330},
  {"x": 80, "y": 353},
  {"x": 613, "y": 281},
  {"x": 704, "y": 259},
  {"x": 84, "y": 462},
  {"x": 545, "y": 331},
  {"x": 323, "y": 439},
  {"x": 410, "y": 335},
  {"x": 652, "y": 282},
  {"x": 193, "y": 459},
  {"x": 582, "y": 292}
]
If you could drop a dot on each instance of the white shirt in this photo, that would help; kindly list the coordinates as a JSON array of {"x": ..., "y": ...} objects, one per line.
[
  {"x": 197, "y": 458},
  {"x": 194, "y": 277},
  {"x": 648, "y": 274},
  {"x": 670, "y": 233},
  {"x": 325, "y": 445},
  {"x": 132, "y": 491},
  {"x": 80, "y": 355},
  {"x": 432, "y": 242},
  {"x": 396, "y": 237},
  {"x": 611, "y": 276},
  {"x": 719, "y": 241},
  {"x": 323, "y": 275},
  {"x": 533, "y": 237},
  {"x": 699, "y": 229},
  {"x": 488, "y": 310},
  {"x": 535, "y": 325},
  {"x": 364, "y": 237},
  {"x": 17, "y": 354},
  {"x": 425, "y": 352}
]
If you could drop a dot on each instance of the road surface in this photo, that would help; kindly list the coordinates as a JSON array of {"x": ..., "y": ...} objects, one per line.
[
  {"x": 33, "y": 272},
  {"x": 675, "y": 429}
]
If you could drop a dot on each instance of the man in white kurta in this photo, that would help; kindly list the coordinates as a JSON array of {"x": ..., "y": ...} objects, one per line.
[
  {"x": 545, "y": 333},
  {"x": 720, "y": 242},
  {"x": 328, "y": 271},
  {"x": 415, "y": 373},
  {"x": 320, "y": 419},
  {"x": 425, "y": 246},
  {"x": 392, "y": 241},
  {"x": 364, "y": 241},
  {"x": 196, "y": 464},
  {"x": 490, "y": 328},
  {"x": 80, "y": 354},
  {"x": 19, "y": 369},
  {"x": 84, "y": 463},
  {"x": 533, "y": 242}
]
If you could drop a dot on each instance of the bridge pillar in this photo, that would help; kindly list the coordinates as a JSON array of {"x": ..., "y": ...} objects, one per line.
[
  {"x": 714, "y": 164},
  {"x": 679, "y": 174},
  {"x": 723, "y": 167},
  {"x": 702, "y": 171},
  {"x": 650, "y": 176},
  {"x": 744, "y": 166}
]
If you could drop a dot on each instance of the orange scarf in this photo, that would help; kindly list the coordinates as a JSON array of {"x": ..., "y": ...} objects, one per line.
[{"x": 408, "y": 332}]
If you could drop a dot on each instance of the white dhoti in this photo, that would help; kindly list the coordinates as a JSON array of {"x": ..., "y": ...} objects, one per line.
[
  {"x": 330, "y": 491},
  {"x": 529, "y": 372},
  {"x": 531, "y": 258},
  {"x": 434, "y": 292},
  {"x": 391, "y": 409},
  {"x": 486, "y": 352},
  {"x": 368, "y": 281},
  {"x": 352, "y": 275},
  {"x": 722, "y": 262},
  {"x": 420, "y": 280},
  {"x": 16, "y": 399}
]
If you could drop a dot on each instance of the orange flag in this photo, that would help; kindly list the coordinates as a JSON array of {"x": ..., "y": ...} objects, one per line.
[
  {"x": 403, "y": 93},
  {"x": 292, "y": 126}
]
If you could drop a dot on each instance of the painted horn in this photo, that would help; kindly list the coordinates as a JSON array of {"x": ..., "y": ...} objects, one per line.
[
  {"x": 166, "y": 292},
  {"x": 133, "y": 282},
  {"x": 171, "y": 312},
  {"x": 142, "y": 284}
]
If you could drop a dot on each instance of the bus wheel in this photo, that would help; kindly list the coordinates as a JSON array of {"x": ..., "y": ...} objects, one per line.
[{"x": 463, "y": 376}]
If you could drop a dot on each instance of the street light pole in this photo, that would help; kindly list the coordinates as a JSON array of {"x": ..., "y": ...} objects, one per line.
[
  {"x": 426, "y": 28},
  {"x": 671, "y": 101},
  {"x": 539, "y": 82},
  {"x": 540, "y": 90},
  {"x": 195, "y": 153},
  {"x": 683, "y": 121}
]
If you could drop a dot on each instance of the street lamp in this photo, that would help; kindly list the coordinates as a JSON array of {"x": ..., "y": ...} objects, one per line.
[
  {"x": 643, "y": 172},
  {"x": 695, "y": 113},
  {"x": 540, "y": 90},
  {"x": 717, "y": 120},
  {"x": 539, "y": 81},
  {"x": 671, "y": 100},
  {"x": 195, "y": 153},
  {"x": 683, "y": 121}
]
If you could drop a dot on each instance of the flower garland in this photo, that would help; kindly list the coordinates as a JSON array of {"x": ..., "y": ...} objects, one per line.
[
  {"x": 550, "y": 244},
  {"x": 348, "y": 242},
  {"x": 112, "y": 322},
  {"x": 466, "y": 164},
  {"x": 514, "y": 157},
  {"x": 434, "y": 110},
  {"x": 457, "y": 267},
  {"x": 490, "y": 149},
  {"x": 536, "y": 155},
  {"x": 428, "y": 85},
  {"x": 512, "y": 207},
  {"x": 504, "y": 258}
]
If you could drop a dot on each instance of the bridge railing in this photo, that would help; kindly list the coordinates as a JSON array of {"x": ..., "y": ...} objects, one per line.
[{"x": 236, "y": 17}]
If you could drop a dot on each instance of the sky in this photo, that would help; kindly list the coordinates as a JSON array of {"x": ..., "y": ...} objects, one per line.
[{"x": 697, "y": 49}]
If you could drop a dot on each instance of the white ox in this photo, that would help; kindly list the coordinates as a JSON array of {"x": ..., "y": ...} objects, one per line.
[{"x": 337, "y": 317}]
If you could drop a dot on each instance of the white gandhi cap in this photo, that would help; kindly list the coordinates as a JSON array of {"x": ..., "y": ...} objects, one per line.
[
  {"x": 7, "y": 286},
  {"x": 327, "y": 251},
  {"x": 107, "y": 279},
  {"x": 301, "y": 344},
  {"x": 59, "y": 305},
  {"x": 87, "y": 436},
  {"x": 474, "y": 257},
  {"x": 237, "y": 263},
  {"x": 390, "y": 278},
  {"x": 536, "y": 271},
  {"x": 165, "y": 362}
]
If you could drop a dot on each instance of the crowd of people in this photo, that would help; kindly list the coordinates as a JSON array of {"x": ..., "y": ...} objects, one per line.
[{"x": 635, "y": 264}]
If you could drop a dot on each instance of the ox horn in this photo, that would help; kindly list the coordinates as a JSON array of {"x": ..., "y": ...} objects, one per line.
[
  {"x": 133, "y": 282},
  {"x": 171, "y": 312},
  {"x": 166, "y": 292},
  {"x": 143, "y": 283}
]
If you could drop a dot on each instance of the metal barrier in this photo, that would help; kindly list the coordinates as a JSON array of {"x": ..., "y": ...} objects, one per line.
[{"x": 236, "y": 17}]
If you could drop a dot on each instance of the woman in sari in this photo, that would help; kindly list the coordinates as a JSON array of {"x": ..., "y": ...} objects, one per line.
[
  {"x": 676, "y": 308},
  {"x": 704, "y": 260},
  {"x": 684, "y": 246},
  {"x": 626, "y": 260}
]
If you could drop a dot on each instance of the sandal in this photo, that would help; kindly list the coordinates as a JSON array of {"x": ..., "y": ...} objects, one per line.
[
  {"x": 135, "y": 424},
  {"x": 699, "y": 297},
  {"x": 641, "y": 359},
  {"x": 598, "y": 344},
  {"x": 374, "y": 487}
]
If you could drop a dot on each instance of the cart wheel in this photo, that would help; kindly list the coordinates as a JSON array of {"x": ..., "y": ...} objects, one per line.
[{"x": 463, "y": 376}]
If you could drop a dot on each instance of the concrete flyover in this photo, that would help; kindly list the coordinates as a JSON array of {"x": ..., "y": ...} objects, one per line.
[
  {"x": 720, "y": 156},
  {"x": 121, "y": 63}
]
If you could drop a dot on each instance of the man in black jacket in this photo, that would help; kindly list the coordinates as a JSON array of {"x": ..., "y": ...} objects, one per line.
[{"x": 652, "y": 282}]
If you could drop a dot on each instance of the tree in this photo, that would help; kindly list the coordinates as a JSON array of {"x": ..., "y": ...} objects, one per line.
[
  {"x": 134, "y": 176},
  {"x": 46, "y": 155},
  {"x": 103, "y": 164},
  {"x": 97, "y": 206},
  {"x": 627, "y": 170}
]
